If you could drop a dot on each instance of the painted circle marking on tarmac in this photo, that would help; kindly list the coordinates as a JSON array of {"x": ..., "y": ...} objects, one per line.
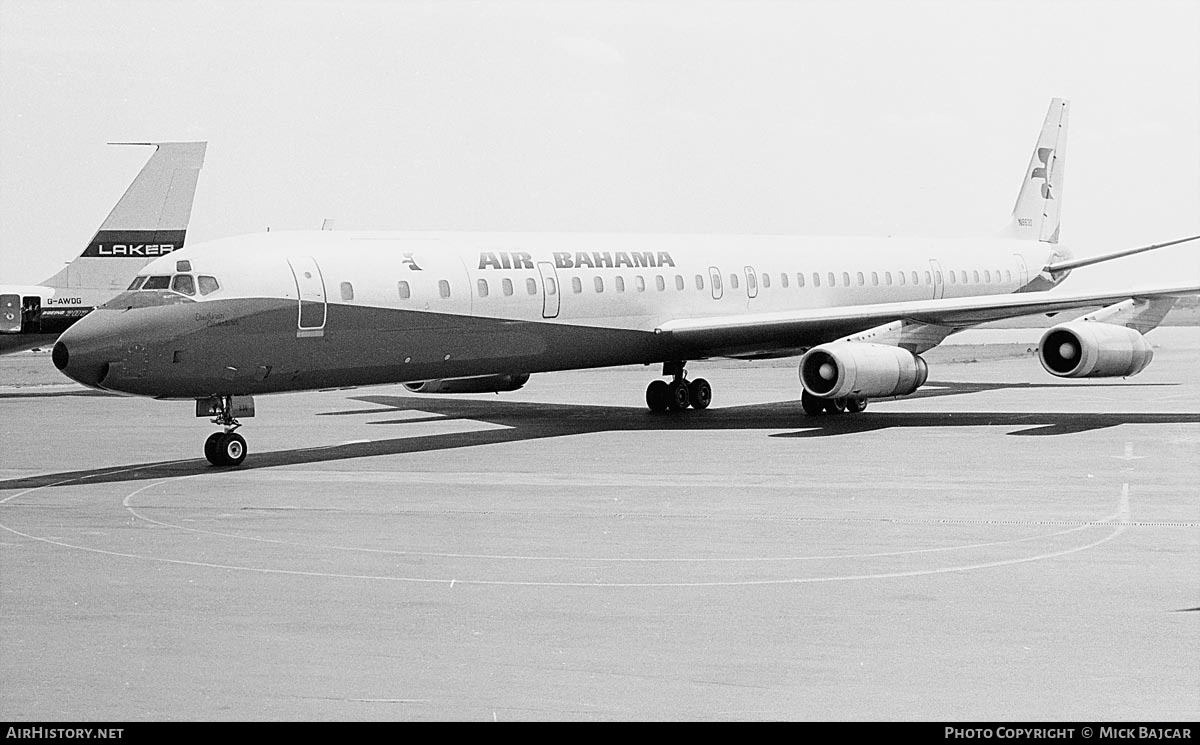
[{"x": 1119, "y": 519}]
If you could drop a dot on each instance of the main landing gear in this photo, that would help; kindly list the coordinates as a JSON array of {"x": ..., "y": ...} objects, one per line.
[
  {"x": 680, "y": 393},
  {"x": 225, "y": 448},
  {"x": 815, "y": 405}
]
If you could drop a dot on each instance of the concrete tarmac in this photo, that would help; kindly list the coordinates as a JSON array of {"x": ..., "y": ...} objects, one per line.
[{"x": 1003, "y": 545}]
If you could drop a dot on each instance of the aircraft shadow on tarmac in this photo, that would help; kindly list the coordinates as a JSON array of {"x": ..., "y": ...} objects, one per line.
[{"x": 521, "y": 421}]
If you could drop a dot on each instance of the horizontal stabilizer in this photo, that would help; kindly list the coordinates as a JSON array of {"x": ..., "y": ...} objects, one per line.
[{"x": 1062, "y": 266}]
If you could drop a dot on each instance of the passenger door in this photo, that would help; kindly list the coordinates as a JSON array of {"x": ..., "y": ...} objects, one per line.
[
  {"x": 714, "y": 277},
  {"x": 10, "y": 314},
  {"x": 550, "y": 290},
  {"x": 939, "y": 287},
  {"x": 310, "y": 295},
  {"x": 751, "y": 283}
]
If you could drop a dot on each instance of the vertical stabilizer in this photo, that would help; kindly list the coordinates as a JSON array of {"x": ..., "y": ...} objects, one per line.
[
  {"x": 1036, "y": 214},
  {"x": 149, "y": 221}
]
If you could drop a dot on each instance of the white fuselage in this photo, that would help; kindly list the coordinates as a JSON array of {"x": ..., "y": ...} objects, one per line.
[
  {"x": 295, "y": 311},
  {"x": 616, "y": 281}
]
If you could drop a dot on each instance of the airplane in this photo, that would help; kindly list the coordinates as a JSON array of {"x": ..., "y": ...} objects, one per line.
[
  {"x": 150, "y": 220},
  {"x": 479, "y": 312}
]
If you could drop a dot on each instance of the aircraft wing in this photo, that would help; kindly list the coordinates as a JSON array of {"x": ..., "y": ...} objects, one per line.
[{"x": 794, "y": 331}]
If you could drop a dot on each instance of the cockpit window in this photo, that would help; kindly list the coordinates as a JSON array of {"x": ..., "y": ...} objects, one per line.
[
  {"x": 184, "y": 284},
  {"x": 157, "y": 283},
  {"x": 208, "y": 284},
  {"x": 137, "y": 282}
]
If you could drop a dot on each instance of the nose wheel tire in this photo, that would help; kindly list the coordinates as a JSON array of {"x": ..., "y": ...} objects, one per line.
[{"x": 225, "y": 449}]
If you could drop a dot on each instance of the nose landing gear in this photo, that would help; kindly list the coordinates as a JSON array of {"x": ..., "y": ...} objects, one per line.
[{"x": 224, "y": 448}]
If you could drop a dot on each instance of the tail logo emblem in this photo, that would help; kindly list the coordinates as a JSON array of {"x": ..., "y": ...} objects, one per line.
[{"x": 1045, "y": 155}]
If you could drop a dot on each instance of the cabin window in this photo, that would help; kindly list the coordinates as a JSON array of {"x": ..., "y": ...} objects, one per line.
[
  {"x": 900, "y": 277},
  {"x": 157, "y": 283},
  {"x": 208, "y": 285},
  {"x": 136, "y": 283},
  {"x": 659, "y": 283},
  {"x": 816, "y": 280},
  {"x": 640, "y": 283},
  {"x": 599, "y": 284},
  {"x": 861, "y": 280},
  {"x": 404, "y": 290},
  {"x": 678, "y": 281},
  {"x": 916, "y": 278},
  {"x": 845, "y": 279},
  {"x": 506, "y": 286},
  {"x": 937, "y": 277},
  {"x": 551, "y": 286},
  {"x": 531, "y": 286},
  {"x": 800, "y": 279},
  {"x": 964, "y": 276},
  {"x": 887, "y": 278},
  {"x": 766, "y": 280},
  {"x": 951, "y": 276},
  {"x": 482, "y": 285},
  {"x": 699, "y": 281},
  {"x": 184, "y": 284},
  {"x": 783, "y": 280},
  {"x": 347, "y": 291},
  {"x": 733, "y": 281},
  {"x": 620, "y": 284},
  {"x": 832, "y": 279},
  {"x": 443, "y": 288},
  {"x": 1008, "y": 275},
  {"x": 976, "y": 273},
  {"x": 987, "y": 276},
  {"x": 928, "y": 278},
  {"x": 875, "y": 278},
  {"x": 576, "y": 285}
]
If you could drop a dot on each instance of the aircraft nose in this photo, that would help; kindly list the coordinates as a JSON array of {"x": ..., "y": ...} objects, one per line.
[{"x": 90, "y": 373}]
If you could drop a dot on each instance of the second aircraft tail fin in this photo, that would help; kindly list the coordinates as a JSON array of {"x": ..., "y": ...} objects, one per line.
[{"x": 150, "y": 220}]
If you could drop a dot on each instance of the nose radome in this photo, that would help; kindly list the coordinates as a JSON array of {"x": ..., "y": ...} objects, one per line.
[
  {"x": 89, "y": 373},
  {"x": 60, "y": 355}
]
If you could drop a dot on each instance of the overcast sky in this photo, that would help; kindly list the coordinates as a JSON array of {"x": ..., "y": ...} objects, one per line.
[{"x": 822, "y": 118}]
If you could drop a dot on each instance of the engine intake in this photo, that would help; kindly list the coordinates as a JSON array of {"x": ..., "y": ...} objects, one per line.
[
  {"x": 844, "y": 368},
  {"x": 1089, "y": 349},
  {"x": 475, "y": 384}
]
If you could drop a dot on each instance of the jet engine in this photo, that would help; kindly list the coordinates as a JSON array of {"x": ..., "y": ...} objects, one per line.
[
  {"x": 475, "y": 384},
  {"x": 856, "y": 369},
  {"x": 1089, "y": 349}
]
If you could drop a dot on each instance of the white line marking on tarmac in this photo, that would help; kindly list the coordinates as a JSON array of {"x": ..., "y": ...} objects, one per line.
[
  {"x": 608, "y": 560},
  {"x": 1119, "y": 517},
  {"x": 127, "y": 504}
]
